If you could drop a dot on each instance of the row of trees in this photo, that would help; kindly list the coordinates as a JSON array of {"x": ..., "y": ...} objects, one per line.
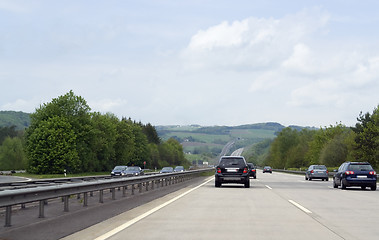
[
  {"x": 12, "y": 155},
  {"x": 330, "y": 146},
  {"x": 65, "y": 135}
]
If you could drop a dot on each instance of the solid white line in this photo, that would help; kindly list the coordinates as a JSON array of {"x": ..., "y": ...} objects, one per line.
[
  {"x": 136, "y": 219},
  {"x": 268, "y": 187},
  {"x": 299, "y": 206}
]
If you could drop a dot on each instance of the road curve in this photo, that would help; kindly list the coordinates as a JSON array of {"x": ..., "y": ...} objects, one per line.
[{"x": 277, "y": 206}]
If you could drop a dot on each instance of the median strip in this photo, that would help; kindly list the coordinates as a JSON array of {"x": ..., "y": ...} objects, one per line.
[{"x": 300, "y": 207}]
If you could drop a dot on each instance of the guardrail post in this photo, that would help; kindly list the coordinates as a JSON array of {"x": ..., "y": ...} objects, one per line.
[
  {"x": 85, "y": 199},
  {"x": 41, "y": 209},
  {"x": 101, "y": 195},
  {"x": 124, "y": 191},
  {"x": 113, "y": 190},
  {"x": 140, "y": 187},
  {"x": 147, "y": 186},
  {"x": 65, "y": 200},
  {"x": 152, "y": 184},
  {"x": 132, "y": 189},
  {"x": 8, "y": 216},
  {"x": 23, "y": 206}
]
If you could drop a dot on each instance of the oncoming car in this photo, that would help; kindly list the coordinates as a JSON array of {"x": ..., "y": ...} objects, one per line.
[
  {"x": 167, "y": 170},
  {"x": 351, "y": 174},
  {"x": 134, "y": 171},
  {"x": 232, "y": 169},
  {"x": 119, "y": 171},
  {"x": 179, "y": 169}
]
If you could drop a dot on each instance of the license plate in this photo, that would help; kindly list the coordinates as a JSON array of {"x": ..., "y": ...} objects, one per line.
[
  {"x": 232, "y": 179},
  {"x": 232, "y": 169},
  {"x": 361, "y": 176}
]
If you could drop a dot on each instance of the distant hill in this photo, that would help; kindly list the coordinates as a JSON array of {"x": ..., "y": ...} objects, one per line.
[
  {"x": 200, "y": 141},
  {"x": 12, "y": 118}
]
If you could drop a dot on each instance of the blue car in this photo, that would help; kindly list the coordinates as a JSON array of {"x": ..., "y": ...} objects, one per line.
[{"x": 351, "y": 174}]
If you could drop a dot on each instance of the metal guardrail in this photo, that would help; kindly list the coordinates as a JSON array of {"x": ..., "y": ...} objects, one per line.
[{"x": 12, "y": 197}]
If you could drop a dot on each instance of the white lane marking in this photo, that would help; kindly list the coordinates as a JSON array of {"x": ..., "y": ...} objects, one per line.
[
  {"x": 268, "y": 187},
  {"x": 139, "y": 218},
  {"x": 299, "y": 206}
]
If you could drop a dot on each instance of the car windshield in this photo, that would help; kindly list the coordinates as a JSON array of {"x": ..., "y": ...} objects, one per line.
[
  {"x": 119, "y": 168},
  {"x": 132, "y": 169},
  {"x": 360, "y": 167},
  {"x": 167, "y": 169},
  {"x": 225, "y": 162}
]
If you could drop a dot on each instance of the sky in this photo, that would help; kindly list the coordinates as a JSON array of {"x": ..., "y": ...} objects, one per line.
[{"x": 209, "y": 62}]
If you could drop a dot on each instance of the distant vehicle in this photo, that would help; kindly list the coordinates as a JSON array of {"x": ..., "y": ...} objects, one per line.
[
  {"x": 179, "y": 169},
  {"x": 267, "y": 169},
  {"x": 232, "y": 169},
  {"x": 167, "y": 170},
  {"x": 317, "y": 172},
  {"x": 119, "y": 171},
  {"x": 252, "y": 170},
  {"x": 134, "y": 171},
  {"x": 351, "y": 174}
]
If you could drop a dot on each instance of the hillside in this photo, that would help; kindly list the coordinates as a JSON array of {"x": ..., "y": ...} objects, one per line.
[
  {"x": 12, "y": 118},
  {"x": 206, "y": 143}
]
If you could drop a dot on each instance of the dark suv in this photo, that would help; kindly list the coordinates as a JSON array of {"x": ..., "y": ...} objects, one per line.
[
  {"x": 232, "y": 169},
  {"x": 355, "y": 174}
]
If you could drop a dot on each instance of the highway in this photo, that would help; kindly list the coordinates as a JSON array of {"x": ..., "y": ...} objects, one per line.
[{"x": 276, "y": 206}]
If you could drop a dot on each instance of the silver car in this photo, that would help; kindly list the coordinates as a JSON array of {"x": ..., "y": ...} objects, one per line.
[{"x": 317, "y": 172}]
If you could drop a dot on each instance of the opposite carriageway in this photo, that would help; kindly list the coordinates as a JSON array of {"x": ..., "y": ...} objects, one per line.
[{"x": 19, "y": 194}]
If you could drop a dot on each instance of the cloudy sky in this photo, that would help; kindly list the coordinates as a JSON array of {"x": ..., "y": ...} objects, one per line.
[{"x": 207, "y": 62}]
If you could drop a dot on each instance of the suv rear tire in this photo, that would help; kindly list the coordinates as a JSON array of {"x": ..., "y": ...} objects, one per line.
[
  {"x": 217, "y": 184},
  {"x": 247, "y": 183}
]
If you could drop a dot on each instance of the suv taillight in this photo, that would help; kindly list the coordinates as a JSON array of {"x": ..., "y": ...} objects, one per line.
[
  {"x": 349, "y": 172},
  {"x": 312, "y": 171},
  {"x": 372, "y": 173},
  {"x": 218, "y": 170},
  {"x": 245, "y": 170}
]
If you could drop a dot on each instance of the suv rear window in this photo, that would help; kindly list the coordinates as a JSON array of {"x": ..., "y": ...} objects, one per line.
[
  {"x": 360, "y": 167},
  {"x": 226, "y": 162}
]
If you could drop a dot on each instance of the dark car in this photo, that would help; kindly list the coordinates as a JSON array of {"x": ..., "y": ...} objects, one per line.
[
  {"x": 167, "y": 170},
  {"x": 232, "y": 169},
  {"x": 252, "y": 170},
  {"x": 179, "y": 169},
  {"x": 119, "y": 171},
  {"x": 317, "y": 172},
  {"x": 134, "y": 171},
  {"x": 351, "y": 174},
  {"x": 267, "y": 169}
]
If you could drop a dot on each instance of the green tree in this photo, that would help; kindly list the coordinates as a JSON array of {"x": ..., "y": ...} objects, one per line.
[
  {"x": 12, "y": 156},
  {"x": 72, "y": 111},
  {"x": 367, "y": 137},
  {"x": 51, "y": 147},
  {"x": 104, "y": 132}
]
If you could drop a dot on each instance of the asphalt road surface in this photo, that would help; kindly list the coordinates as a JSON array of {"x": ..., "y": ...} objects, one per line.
[{"x": 276, "y": 206}]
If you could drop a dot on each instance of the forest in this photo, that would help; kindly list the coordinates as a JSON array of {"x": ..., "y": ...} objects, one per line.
[{"x": 65, "y": 135}]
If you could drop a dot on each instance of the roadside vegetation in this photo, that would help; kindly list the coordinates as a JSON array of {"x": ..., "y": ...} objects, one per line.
[
  {"x": 64, "y": 135},
  {"x": 330, "y": 146}
]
